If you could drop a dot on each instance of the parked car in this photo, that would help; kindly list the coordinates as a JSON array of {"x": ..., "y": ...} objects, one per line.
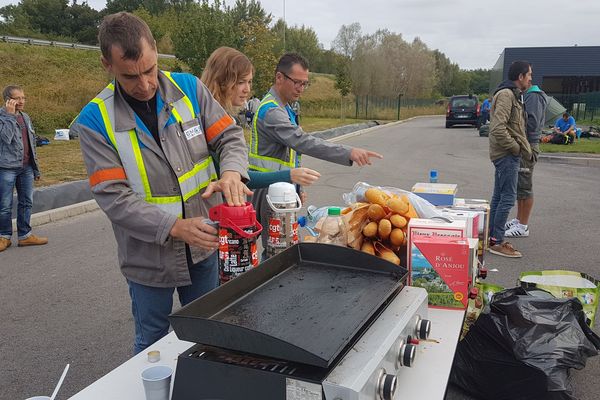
[{"x": 463, "y": 110}]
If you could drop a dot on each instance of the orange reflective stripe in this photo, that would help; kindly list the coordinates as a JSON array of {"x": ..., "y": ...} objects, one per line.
[
  {"x": 104, "y": 175},
  {"x": 215, "y": 129}
]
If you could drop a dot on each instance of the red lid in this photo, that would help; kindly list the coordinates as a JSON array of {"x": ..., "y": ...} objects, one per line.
[{"x": 229, "y": 217}]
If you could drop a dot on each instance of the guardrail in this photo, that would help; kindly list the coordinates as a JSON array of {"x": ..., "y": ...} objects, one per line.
[{"x": 40, "y": 42}]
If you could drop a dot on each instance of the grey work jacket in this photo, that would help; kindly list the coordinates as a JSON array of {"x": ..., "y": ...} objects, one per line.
[
  {"x": 147, "y": 253},
  {"x": 11, "y": 142},
  {"x": 276, "y": 135}
]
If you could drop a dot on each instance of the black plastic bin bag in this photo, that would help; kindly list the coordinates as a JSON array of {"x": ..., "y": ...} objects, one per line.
[{"x": 523, "y": 346}]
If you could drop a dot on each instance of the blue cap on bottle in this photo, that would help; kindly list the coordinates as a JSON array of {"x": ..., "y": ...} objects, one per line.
[
  {"x": 302, "y": 221},
  {"x": 433, "y": 176}
]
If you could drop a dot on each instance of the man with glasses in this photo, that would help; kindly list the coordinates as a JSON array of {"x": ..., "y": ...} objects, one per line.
[
  {"x": 277, "y": 141},
  {"x": 18, "y": 168}
]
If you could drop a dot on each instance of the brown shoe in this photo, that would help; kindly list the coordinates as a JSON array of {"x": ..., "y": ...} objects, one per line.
[
  {"x": 33, "y": 240},
  {"x": 505, "y": 249},
  {"x": 4, "y": 243}
]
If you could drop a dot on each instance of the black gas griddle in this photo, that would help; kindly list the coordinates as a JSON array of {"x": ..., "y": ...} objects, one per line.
[{"x": 304, "y": 305}]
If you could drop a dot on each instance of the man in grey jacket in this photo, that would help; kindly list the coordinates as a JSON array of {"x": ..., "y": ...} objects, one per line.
[
  {"x": 18, "y": 168},
  {"x": 147, "y": 141},
  {"x": 277, "y": 141},
  {"x": 536, "y": 103}
]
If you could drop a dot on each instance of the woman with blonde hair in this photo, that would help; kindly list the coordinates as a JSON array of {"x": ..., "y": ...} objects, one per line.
[{"x": 228, "y": 75}]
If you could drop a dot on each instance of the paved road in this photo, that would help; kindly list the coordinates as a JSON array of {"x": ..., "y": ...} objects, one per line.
[{"x": 68, "y": 303}]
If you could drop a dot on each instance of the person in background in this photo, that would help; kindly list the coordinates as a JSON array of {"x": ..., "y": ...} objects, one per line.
[
  {"x": 147, "y": 140},
  {"x": 508, "y": 144},
  {"x": 277, "y": 141},
  {"x": 536, "y": 103},
  {"x": 228, "y": 75},
  {"x": 18, "y": 169},
  {"x": 485, "y": 111},
  {"x": 565, "y": 125}
]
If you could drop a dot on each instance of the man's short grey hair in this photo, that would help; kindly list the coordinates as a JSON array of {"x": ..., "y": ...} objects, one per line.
[
  {"x": 7, "y": 91},
  {"x": 125, "y": 30}
]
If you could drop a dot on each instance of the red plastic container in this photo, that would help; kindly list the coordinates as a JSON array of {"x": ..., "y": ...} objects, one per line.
[{"x": 238, "y": 232}]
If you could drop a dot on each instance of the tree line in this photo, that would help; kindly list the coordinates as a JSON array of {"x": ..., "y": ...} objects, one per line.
[{"x": 380, "y": 64}]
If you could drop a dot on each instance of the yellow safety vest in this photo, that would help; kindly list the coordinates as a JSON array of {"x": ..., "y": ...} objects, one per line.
[
  {"x": 264, "y": 163},
  {"x": 127, "y": 145}
]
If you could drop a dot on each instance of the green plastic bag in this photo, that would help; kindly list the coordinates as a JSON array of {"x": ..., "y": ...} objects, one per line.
[{"x": 566, "y": 284}]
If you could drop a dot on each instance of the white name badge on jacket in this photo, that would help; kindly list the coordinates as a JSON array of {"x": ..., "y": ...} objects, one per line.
[{"x": 192, "y": 132}]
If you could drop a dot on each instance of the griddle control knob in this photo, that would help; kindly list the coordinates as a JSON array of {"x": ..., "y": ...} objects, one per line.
[
  {"x": 407, "y": 355},
  {"x": 386, "y": 386},
  {"x": 423, "y": 328}
]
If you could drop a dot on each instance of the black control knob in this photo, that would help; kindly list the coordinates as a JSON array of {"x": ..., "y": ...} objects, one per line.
[
  {"x": 423, "y": 328},
  {"x": 407, "y": 355},
  {"x": 387, "y": 386}
]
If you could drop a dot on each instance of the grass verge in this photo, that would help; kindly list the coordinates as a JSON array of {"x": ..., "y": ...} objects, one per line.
[{"x": 583, "y": 145}]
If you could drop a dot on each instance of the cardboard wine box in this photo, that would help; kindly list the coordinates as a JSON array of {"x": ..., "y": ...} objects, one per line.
[
  {"x": 444, "y": 267},
  {"x": 483, "y": 208},
  {"x": 419, "y": 227},
  {"x": 470, "y": 216}
]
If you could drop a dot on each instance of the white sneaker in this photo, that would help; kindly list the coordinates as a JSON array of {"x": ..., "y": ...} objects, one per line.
[
  {"x": 510, "y": 224},
  {"x": 518, "y": 230}
]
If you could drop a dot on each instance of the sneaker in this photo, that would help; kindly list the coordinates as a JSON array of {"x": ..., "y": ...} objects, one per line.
[
  {"x": 33, "y": 240},
  {"x": 4, "y": 243},
  {"x": 511, "y": 223},
  {"x": 518, "y": 230},
  {"x": 505, "y": 249}
]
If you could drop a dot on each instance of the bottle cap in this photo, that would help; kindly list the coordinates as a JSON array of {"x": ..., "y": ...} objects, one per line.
[
  {"x": 433, "y": 173},
  {"x": 334, "y": 211},
  {"x": 302, "y": 221}
]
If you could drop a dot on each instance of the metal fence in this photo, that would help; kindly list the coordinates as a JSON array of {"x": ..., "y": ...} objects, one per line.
[
  {"x": 583, "y": 106},
  {"x": 40, "y": 42},
  {"x": 374, "y": 107}
]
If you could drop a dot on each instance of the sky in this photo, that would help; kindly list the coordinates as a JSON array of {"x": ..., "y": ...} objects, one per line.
[{"x": 472, "y": 33}]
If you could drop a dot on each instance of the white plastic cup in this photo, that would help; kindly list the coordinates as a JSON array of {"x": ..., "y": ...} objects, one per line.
[
  {"x": 157, "y": 382},
  {"x": 39, "y": 398}
]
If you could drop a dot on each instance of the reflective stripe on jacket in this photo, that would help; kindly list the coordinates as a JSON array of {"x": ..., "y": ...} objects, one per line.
[
  {"x": 142, "y": 186},
  {"x": 263, "y": 163}
]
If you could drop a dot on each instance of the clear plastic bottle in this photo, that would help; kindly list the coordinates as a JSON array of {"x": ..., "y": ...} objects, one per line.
[
  {"x": 313, "y": 215},
  {"x": 333, "y": 230}
]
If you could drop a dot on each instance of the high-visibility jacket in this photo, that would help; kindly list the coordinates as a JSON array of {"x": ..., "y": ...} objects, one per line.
[
  {"x": 262, "y": 163},
  {"x": 143, "y": 187}
]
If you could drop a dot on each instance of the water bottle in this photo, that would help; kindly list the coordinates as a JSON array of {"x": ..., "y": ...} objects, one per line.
[
  {"x": 313, "y": 215},
  {"x": 333, "y": 230},
  {"x": 433, "y": 176}
]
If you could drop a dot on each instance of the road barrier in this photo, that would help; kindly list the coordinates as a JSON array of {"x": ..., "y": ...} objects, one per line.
[{"x": 40, "y": 42}]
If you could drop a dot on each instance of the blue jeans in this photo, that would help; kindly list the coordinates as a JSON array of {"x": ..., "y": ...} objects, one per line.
[
  {"x": 505, "y": 194},
  {"x": 22, "y": 179},
  {"x": 151, "y": 306}
]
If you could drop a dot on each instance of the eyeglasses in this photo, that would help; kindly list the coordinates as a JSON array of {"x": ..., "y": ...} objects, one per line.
[
  {"x": 18, "y": 98},
  {"x": 297, "y": 82}
]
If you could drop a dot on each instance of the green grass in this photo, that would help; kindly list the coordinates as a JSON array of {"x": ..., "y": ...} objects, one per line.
[
  {"x": 314, "y": 124},
  {"x": 583, "y": 145}
]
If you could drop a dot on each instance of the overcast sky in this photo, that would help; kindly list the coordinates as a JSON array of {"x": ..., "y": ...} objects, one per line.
[{"x": 471, "y": 33}]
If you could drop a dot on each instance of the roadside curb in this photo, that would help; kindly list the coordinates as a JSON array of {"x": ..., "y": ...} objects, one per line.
[
  {"x": 571, "y": 160},
  {"x": 58, "y": 214}
]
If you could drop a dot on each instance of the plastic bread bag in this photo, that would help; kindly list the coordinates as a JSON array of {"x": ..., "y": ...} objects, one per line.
[{"x": 422, "y": 207}]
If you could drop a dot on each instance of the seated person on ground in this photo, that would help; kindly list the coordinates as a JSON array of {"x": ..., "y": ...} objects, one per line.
[{"x": 565, "y": 125}]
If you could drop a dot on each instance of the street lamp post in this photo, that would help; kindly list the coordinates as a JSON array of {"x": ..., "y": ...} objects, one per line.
[
  {"x": 284, "y": 26},
  {"x": 399, "y": 100}
]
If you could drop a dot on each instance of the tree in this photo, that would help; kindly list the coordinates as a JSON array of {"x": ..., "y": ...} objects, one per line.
[
  {"x": 244, "y": 11},
  {"x": 48, "y": 16},
  {"x": 83, "y": 23},
  {"x": 258, "y": 43},
  {"x": 347, "y": 39},
  {"x": 201, "y": 30}
]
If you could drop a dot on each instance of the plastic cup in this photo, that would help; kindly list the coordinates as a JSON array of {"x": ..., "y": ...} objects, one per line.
[
  {"x": 39, "y": 398},
  {"x": 157, "y": 382}
]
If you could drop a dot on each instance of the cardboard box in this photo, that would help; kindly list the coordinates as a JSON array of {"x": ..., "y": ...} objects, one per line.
[
  {"x": 444, "y": 267},
  {"x": 483, "y": 208},
  {"x": 438, "y": 194},
  {"x": 418, "y": 227},
  {"x": 471, "y": 217}
]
